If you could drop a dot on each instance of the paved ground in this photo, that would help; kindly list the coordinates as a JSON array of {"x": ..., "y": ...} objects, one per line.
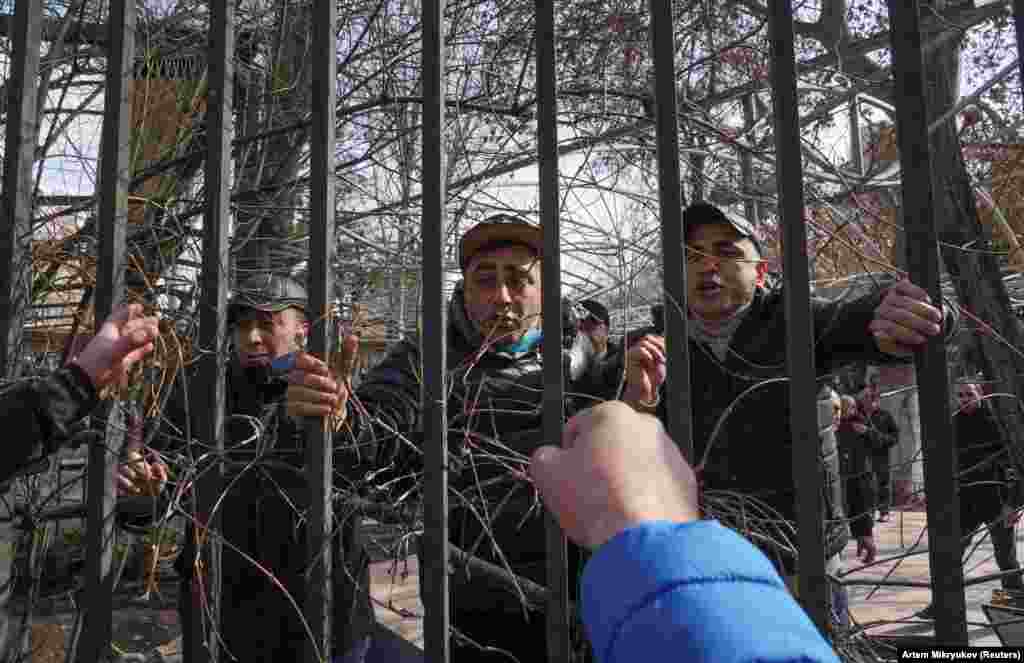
[{"x": 891, "y": 611}]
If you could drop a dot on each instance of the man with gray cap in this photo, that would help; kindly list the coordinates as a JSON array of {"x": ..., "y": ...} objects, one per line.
[
  {"x": 267, "y": 494},
  {"x": 495, "y": 385},
  {"x": 740, "y": 399}
]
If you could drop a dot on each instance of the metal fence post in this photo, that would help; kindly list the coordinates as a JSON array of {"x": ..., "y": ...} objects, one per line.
[
  {"x": 940, "y": 462},
  {"x": 435, "y": 419},
  {"x": 19, "y": 157},
  {"x": 319, "y": 438},
  {"x": 112, "y": 213},
  {"x": 807, "y": 472},
  {"x": 203, "y": 644},
  {"x": 670, "y": 197},
  {"x": 553, "y": 419}
]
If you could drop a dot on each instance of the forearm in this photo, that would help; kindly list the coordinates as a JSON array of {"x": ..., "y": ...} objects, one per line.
[{"x": 42, "y": 412}]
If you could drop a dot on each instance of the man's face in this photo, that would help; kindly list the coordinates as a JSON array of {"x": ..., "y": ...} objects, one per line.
[
  {"x": 848, "y": 406},
  {"x": 722, "y": 271},
  {"x": 837, "y": 409},
  {"x": 596, "y": 330},
  {"x": 262, "y": 337},
  {"x": 969, "y": 396},
  {"x": 503, "y": 293},
  {"x": 871, "y": 398}
]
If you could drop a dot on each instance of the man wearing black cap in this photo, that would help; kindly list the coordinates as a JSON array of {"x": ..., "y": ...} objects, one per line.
[
  {"x": 596, "y": 324},
  {"x": 737, "y": 336},
  {"x": 495, "y": 387},
  {"x": 267, "y": 494}
]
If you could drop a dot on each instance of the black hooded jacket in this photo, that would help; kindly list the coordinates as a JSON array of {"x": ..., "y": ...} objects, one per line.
[
  {"x": 264, "y": 505},
  {"x": 495, "y": 422}
]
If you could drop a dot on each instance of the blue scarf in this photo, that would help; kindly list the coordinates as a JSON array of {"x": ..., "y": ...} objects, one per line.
[{"x": 526, "y": 343}]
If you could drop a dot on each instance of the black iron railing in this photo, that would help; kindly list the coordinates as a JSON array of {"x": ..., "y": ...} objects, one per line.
[{"x": 919, "y": 225}]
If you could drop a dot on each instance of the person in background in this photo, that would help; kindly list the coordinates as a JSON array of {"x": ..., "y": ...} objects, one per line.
[
  {"x": 855, "y": 470},
  {"x": 597, "y": 324},
  {"x": 990, "y": 491},
  {"x": 662, "y": 585},
  {"x": 881, "y": 433}
]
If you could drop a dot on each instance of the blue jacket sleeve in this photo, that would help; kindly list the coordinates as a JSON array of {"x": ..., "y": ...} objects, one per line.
[{"x": 692, "y": 592}]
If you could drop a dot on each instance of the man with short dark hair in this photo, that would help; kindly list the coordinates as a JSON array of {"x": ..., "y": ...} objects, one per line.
[
  {"x": 990, "y": 490},
  {"x": 738, "y": 365},
  {"x": 597, "y": 325},
  {"x": 265, "y": 554},
  {"x": 881, "y": 433},
  {"x": 855, "y": 468},
  {"x": 495, "y": 385}
]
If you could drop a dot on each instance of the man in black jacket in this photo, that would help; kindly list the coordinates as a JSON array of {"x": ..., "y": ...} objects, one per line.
[
  {"x": 855, "y": 470},
  {"x": 990, "y": 491},
  {"x": 737, "y": 342},
  {"x": 267, "y": 494},
  {"x": 881, "y": 433},
  {"x": 42, "y": 411},
  {"x": 495, "y": 386}
]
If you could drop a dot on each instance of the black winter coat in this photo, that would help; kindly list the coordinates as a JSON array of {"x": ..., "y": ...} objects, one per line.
[
  {"x": 261, "y": 516},
  {"x": 752, "y": 454},
  {"x": 495, "y": 422},
  {"x": 985, "y": 477},
  {"x": 858, "y": 488}
]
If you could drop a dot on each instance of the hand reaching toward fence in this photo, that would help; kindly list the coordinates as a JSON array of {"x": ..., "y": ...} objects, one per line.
[
  {"x": 616, "y": 469},
  {"x": 141, "y": 475},
  {"x": 646, "y": 370},
  {"x": 125, "y": 338},
  {"x": 905, "y": 319},
  {"x": 318, "y": 390}
]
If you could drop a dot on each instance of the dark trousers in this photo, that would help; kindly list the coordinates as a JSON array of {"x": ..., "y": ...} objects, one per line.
[
  {"x": 507, "y": 637},
  {"x": 882, "y": 466},
  {"x": 975, "y": 512},
  {"x": 262, "y": 590}
]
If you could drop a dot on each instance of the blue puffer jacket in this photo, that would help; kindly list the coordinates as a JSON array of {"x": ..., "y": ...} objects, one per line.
[{"x": 689, "y": 593}]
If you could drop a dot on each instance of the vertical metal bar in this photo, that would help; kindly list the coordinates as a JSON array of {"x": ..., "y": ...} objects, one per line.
[
  {"x": 113, "y": 216},
  {"x": 747, "y": 165},
  {"x": 1018, "y": 21},
  {"x": 19, "y": 156},
  {"x": 557, "y": 613},
  {"x": 807, "y": 473},
  {"x": 203, "y": 643},
  {"x": 856, "y": 148},
  {"x": 319, "y": 440},
  {"x": 672, "y": 232},
  {"x": 435, "y": 417},
  {"x": 940, "y": 464}
]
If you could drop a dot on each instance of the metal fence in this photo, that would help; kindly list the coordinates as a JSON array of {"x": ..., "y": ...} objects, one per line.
[{"x": 947, "y": 577}]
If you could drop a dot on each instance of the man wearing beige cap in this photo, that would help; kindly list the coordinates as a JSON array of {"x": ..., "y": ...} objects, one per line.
[{"x": 495, "y": 385}]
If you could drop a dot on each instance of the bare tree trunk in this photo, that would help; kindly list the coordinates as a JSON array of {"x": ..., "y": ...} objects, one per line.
[
  {"x": 267, "y": 196},
  {"x": 975, "y": 274}
]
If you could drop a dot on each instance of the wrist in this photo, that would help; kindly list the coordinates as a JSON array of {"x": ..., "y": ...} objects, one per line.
[
  {"x": 89, "y": 366},
  {"x": 635, "y": 398}
]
